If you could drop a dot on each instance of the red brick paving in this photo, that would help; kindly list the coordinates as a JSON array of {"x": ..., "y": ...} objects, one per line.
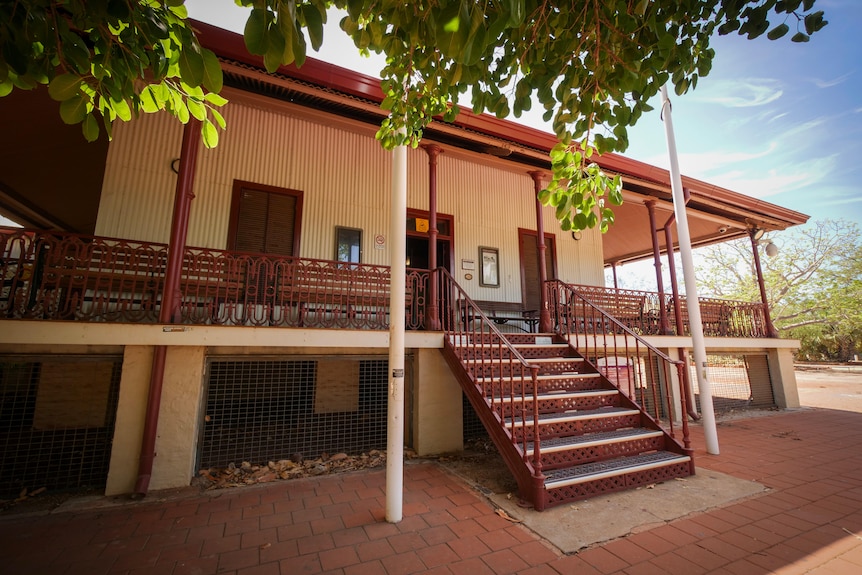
[{"x": 810, "y": 521}]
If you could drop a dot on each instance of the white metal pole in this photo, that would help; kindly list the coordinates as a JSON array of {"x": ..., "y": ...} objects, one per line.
[
  {"x": 398, "y": 278},
  {"x": 710, "y": 432}
]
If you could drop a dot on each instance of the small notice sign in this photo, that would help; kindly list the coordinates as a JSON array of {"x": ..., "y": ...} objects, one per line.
[
  {"x": 397, "y": 373},
  {"x": 379, "y": 242}
]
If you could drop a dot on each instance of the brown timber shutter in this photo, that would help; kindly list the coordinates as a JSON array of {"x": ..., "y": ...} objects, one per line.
[
  {"x": 530, "y": 264},
  {"x": 265, "y": 222}
]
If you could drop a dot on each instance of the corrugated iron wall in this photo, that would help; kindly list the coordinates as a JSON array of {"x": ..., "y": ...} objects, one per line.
[{"x": 345, "y": 177}]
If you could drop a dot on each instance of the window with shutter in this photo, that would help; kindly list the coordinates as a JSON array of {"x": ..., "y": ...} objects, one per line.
[
  {"x": 265, "y": 219},
  {"x": 528, "y": 245}
]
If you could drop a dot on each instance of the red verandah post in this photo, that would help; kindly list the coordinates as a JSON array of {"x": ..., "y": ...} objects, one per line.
[{"x": 171, "y": 296}]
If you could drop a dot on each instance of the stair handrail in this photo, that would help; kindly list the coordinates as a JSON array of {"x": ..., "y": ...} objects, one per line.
[
  {"x": 458, "y": 323},
  {"x": 600, "y": 327}
]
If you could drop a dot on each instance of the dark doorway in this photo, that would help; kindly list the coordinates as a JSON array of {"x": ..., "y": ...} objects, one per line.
[
  {"x": 417, "y": 240},
  {"x": 417, "y": 253}
]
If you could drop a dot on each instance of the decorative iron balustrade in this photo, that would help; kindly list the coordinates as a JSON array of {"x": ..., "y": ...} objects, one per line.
[
  {"x": 639, "y": 370},
  {"x": 641, "y": 312},
  {"x": 60, "y": 276}
]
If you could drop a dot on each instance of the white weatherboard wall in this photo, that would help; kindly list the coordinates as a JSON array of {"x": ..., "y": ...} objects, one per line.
[{"x": 344, "y": 175}]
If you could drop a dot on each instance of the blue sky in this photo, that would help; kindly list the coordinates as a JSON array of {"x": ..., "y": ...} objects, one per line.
[{"x": 774, "y": 120}]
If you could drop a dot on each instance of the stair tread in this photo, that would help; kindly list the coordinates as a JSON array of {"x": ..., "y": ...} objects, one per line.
[
  {"x": 530, "y": 360},
  {"x": 543, "y": 377},
  {"x": 559, "y": 395},
  {"x": 596, "y": 438},
  {"x": 579, "y": 414},
  {"x": 611, "y": 467}
]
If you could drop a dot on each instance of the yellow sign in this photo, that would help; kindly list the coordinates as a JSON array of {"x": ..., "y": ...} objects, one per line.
[{"x": 421, "y": 225}]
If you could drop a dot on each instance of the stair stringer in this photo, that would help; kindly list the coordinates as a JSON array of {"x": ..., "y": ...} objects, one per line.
[{"x": 529, "y": 486}]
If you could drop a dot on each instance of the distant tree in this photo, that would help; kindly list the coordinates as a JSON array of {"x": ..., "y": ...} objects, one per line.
[
  {"x": 814, "y": 284},
  {"x": 592, "y": 64}
]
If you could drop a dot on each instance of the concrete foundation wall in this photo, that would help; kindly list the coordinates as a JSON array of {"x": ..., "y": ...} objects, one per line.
[
  {"x": 129, "y": 429},
  {"x": 437, "y": 405},
  {"x": 783, "y": 377},
  {"x": 177, "y": 435}
]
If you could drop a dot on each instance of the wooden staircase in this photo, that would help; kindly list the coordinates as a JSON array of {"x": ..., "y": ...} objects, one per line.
[{"x": 564, "y": 428}]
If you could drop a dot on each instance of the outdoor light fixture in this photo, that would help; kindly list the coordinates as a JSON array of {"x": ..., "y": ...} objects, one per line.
[
  {"x": 769, "y": 248},
  {"x": 576, "y": 235}
]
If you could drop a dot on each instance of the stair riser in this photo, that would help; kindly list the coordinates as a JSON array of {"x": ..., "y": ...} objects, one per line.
[
  {"x": 578, "y": 427},
  {"x": 494, "y": 352},
  {"x": 588, "y": 489},
  {"x": 505, "y": 369},
  {"x": 560, "y": 404},
  {"x": 545, "y": 386},
  {"x": 577, "y": 456},
  {"x": 513, "y": 338}
]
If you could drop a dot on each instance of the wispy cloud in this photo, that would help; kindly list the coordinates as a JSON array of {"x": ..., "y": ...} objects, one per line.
[
  {"x": 761, "y": 183},
  {"x": 742, "y": 92},
  {"x": 830, "y": 83}
]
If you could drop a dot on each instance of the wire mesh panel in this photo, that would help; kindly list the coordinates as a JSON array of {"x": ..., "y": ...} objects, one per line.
[
  {"x": 473, "y": 428},
  {"x": 738, "y": 381},
  {"x": 261, "y": 410},
  {"x": 57, "y": 418}
]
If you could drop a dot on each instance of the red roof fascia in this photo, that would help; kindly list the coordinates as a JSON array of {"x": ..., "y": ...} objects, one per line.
[{"x": 231, "y": 45}]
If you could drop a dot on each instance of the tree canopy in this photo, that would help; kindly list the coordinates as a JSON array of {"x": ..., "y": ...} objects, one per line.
[
  {"x": 592, "y": 65},
  {"x": 813, "y": 284}
]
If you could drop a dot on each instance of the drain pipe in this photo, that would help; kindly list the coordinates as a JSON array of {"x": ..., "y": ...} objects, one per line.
[{"x": 169, "y": 312}]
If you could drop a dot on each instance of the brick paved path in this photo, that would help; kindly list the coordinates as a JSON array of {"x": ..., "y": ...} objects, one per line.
[{"x": 810, "y": 522}]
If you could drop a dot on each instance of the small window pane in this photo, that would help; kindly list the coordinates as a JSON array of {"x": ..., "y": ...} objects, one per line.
[{"x": 348, "y": 245}]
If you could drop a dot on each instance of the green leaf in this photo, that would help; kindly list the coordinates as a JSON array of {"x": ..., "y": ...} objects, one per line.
[
  {"x": 74, "y": 110},
  {"x": 6, "y": 87},
  {"x": 778, "y": 32},
  {"x": 150, "y": 103},
  {"x": 213, "y": 79},
  {"x": 197, "y": 109},
  {"x": 121, "y": 108},
  {"x": 191, "y": 66},
  {"x": 215, "y": 99},
  {"x": 209, "y": 133},
  {"x": 90, "y": 127},
  {"x": 255, "y": 31},
  {"x": 218, "y": 118},
  {"x": 314, "y": 24},
  {"x": 64, "y": 86},
  {"x": 275, "y": 50},
  {"x": 800, "y": 37}
]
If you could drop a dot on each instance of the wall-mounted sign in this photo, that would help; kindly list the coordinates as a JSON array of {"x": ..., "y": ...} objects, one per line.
[
  {"x": 468, "y": 264},
  {"x": 421, "y": 225},
  {"x": 379, "y": 242}
]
